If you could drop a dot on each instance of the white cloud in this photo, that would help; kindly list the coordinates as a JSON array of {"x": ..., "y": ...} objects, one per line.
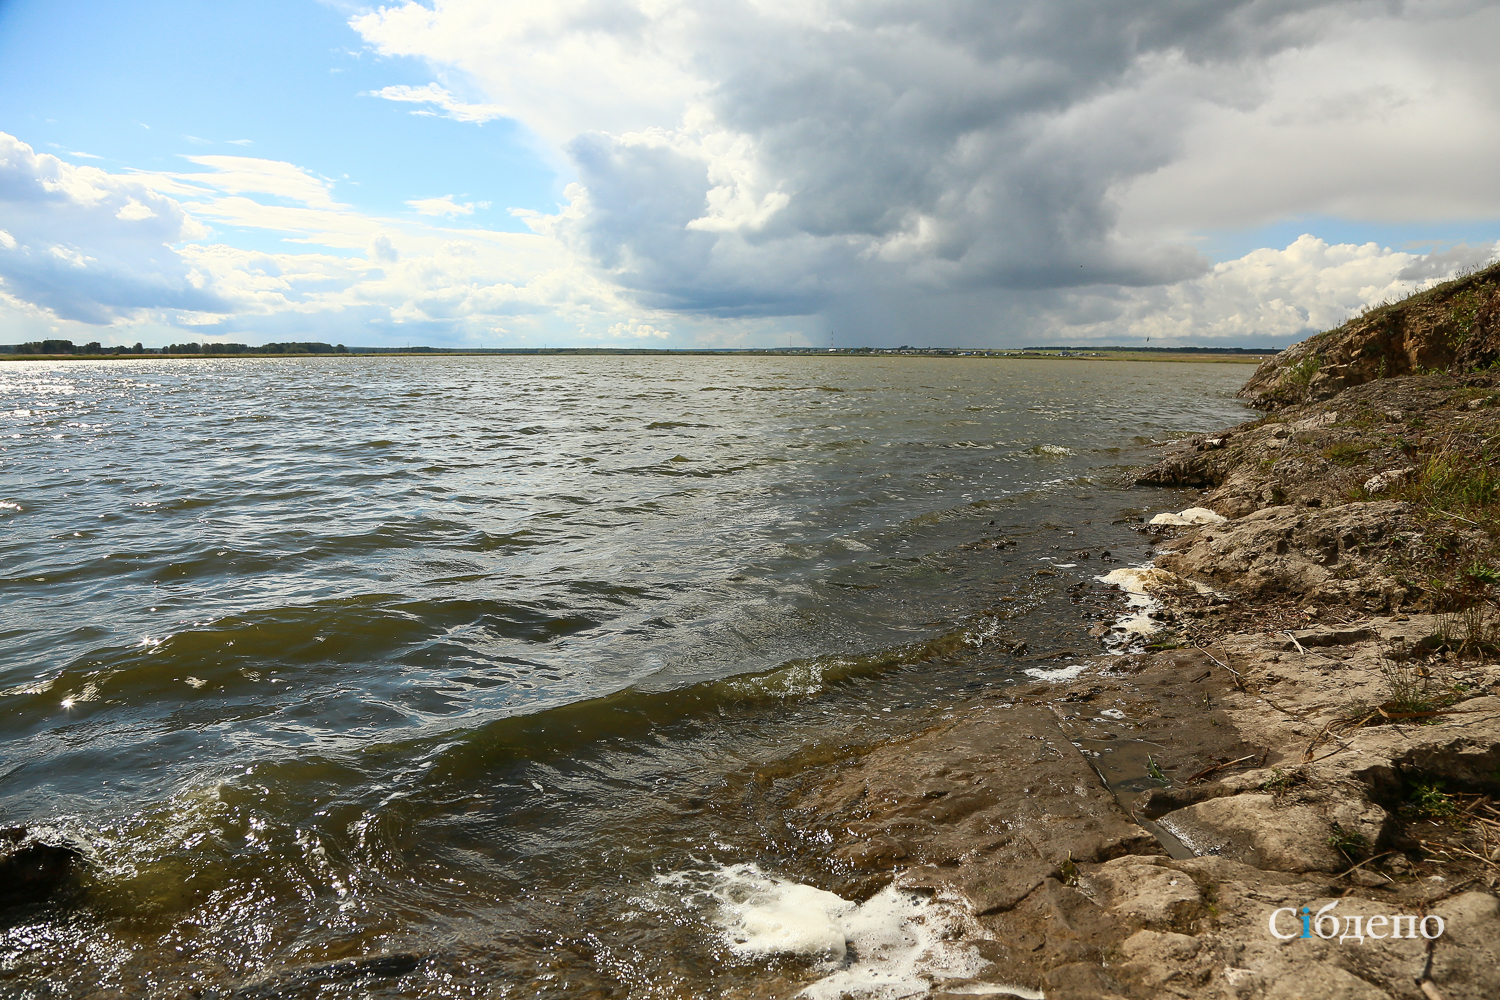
[
  {"x": 250, "y": 175},
  {"x": 134, "y": 211},
  {"x": 1268, "y": 295},
  {"x": 89, "y": 246},
  {"x": 779, "y": 159},
  {"x": 85, "y": 248},
  {"x": 939, "y": 171},
  {"x": 449, "y": 106},
  {"x": 441, "y": 206},
  {"x": 1392, "y": 119}
]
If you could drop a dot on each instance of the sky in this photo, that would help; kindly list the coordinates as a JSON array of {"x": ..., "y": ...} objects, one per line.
[{"x": 742, "y": 173}]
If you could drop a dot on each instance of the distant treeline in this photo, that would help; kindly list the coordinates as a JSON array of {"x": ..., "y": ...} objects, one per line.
[
  {"x": 1168, "y": 350},
  {"x": 68, "y": 347}
]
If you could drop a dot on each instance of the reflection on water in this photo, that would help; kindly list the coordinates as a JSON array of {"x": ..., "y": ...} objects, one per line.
[{"x": 446, "y": 660}]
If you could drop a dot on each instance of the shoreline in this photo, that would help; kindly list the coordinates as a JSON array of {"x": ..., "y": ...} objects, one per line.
[
  {"x": 1316, "y": 723},
  {"x": 1127, "y": 831},
  {"x": 980, "y": 354}
]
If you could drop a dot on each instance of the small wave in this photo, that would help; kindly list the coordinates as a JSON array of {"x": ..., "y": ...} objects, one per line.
[{"x": 1051, "y": 450}]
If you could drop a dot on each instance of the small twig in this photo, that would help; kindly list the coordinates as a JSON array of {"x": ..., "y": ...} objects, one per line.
[
  {"x": 1218, "y": 767},
  {"x": 1438, "y": 711},
  {"x": 1307, "y": 754},
  {"x": 1366, "y": 861},
  {"x": 1349, "y": 727},
  {"x": 1239, "y": 681},
  {"x": 1454, "y": 516},
  {"x": 1296, "y": 643}
]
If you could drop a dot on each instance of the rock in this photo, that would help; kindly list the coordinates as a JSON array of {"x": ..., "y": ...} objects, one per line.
[
  {"x": 1182, "y": 470},
  {"x": 990, "y": 805},
  {"x": 1259, "y": 830},
  {"x": 1386, "y": 481},
  {"x": 1466, "y": 959},
  {"x": 1151, "y": 895},
  {"x": 1326, "y": 983},
  {"x": 1159, "y": 960},
  {"x": 1316, "y": 638},
  {"x": 1412, "y": 336},
  {"x": 33, "y": 871},
  {"x": 1193, "y": 515},
  {"x": 1292, "y": 551}
]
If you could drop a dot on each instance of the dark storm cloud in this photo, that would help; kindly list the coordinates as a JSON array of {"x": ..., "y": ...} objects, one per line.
[{"x": 945, "y": 146}]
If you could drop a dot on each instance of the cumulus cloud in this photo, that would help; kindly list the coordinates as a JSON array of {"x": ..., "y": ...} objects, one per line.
[
  {"x": 763, "y": 157},
  {"x": 85, "y": 248},
  {"x": 1268, "y": 296},
  {"x": 91, "y": 246}
]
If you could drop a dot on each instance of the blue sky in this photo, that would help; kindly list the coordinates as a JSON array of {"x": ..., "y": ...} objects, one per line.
[
  {"x": 143, "y": 83},
  {"x": 957, "y": 172}
]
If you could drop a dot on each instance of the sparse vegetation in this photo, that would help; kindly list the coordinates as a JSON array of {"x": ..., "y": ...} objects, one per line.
[
  {"x": 1351, "y": 844},
  {"x": 1472, "y": 631},
  {"x": 1429, "y": 801},
  {"x": 1303, "y": 371},
  {"x": 1280, "y": 782},
  {"x": 1347, "y": 452},
  {"x": 1410, "y": 684},
  {"x": 1154, "y": 770},
  {"x": 1453, "y": 479},
  {"x": 1465, "y": 305}
]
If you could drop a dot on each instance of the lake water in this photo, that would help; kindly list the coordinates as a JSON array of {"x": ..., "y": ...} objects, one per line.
[{"x": 471, "y": 658}]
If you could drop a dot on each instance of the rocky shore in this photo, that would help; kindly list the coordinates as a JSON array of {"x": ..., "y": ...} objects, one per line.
[{"x": 1294, "y": 790}]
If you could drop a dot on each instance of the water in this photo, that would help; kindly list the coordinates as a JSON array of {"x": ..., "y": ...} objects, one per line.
[{"x": 460, "y": 657}]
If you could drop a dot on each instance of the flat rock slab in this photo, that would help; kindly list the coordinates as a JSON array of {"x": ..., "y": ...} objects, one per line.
[
  {"x": 1333, "y": 554},
  {"x": 990, "y": 804},
  {"x": 1259, "y": 830}
]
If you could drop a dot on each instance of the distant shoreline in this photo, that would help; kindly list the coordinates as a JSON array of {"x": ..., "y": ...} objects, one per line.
[{"x": 1190, "y": 354}]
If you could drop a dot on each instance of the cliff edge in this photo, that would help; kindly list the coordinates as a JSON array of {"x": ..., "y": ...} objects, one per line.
[{"x": 1453, "y": 328}]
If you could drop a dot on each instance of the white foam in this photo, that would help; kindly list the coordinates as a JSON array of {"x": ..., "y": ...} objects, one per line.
[
  {"x": 1193, "y": 515},
  {"x": 896, "y": 944},
  {"x": 1066, "y": 673},
  {"x": 1136, "y": 581}
]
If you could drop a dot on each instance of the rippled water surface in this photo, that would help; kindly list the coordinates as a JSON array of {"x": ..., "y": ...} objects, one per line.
[{"x": 320, "y": 659}]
